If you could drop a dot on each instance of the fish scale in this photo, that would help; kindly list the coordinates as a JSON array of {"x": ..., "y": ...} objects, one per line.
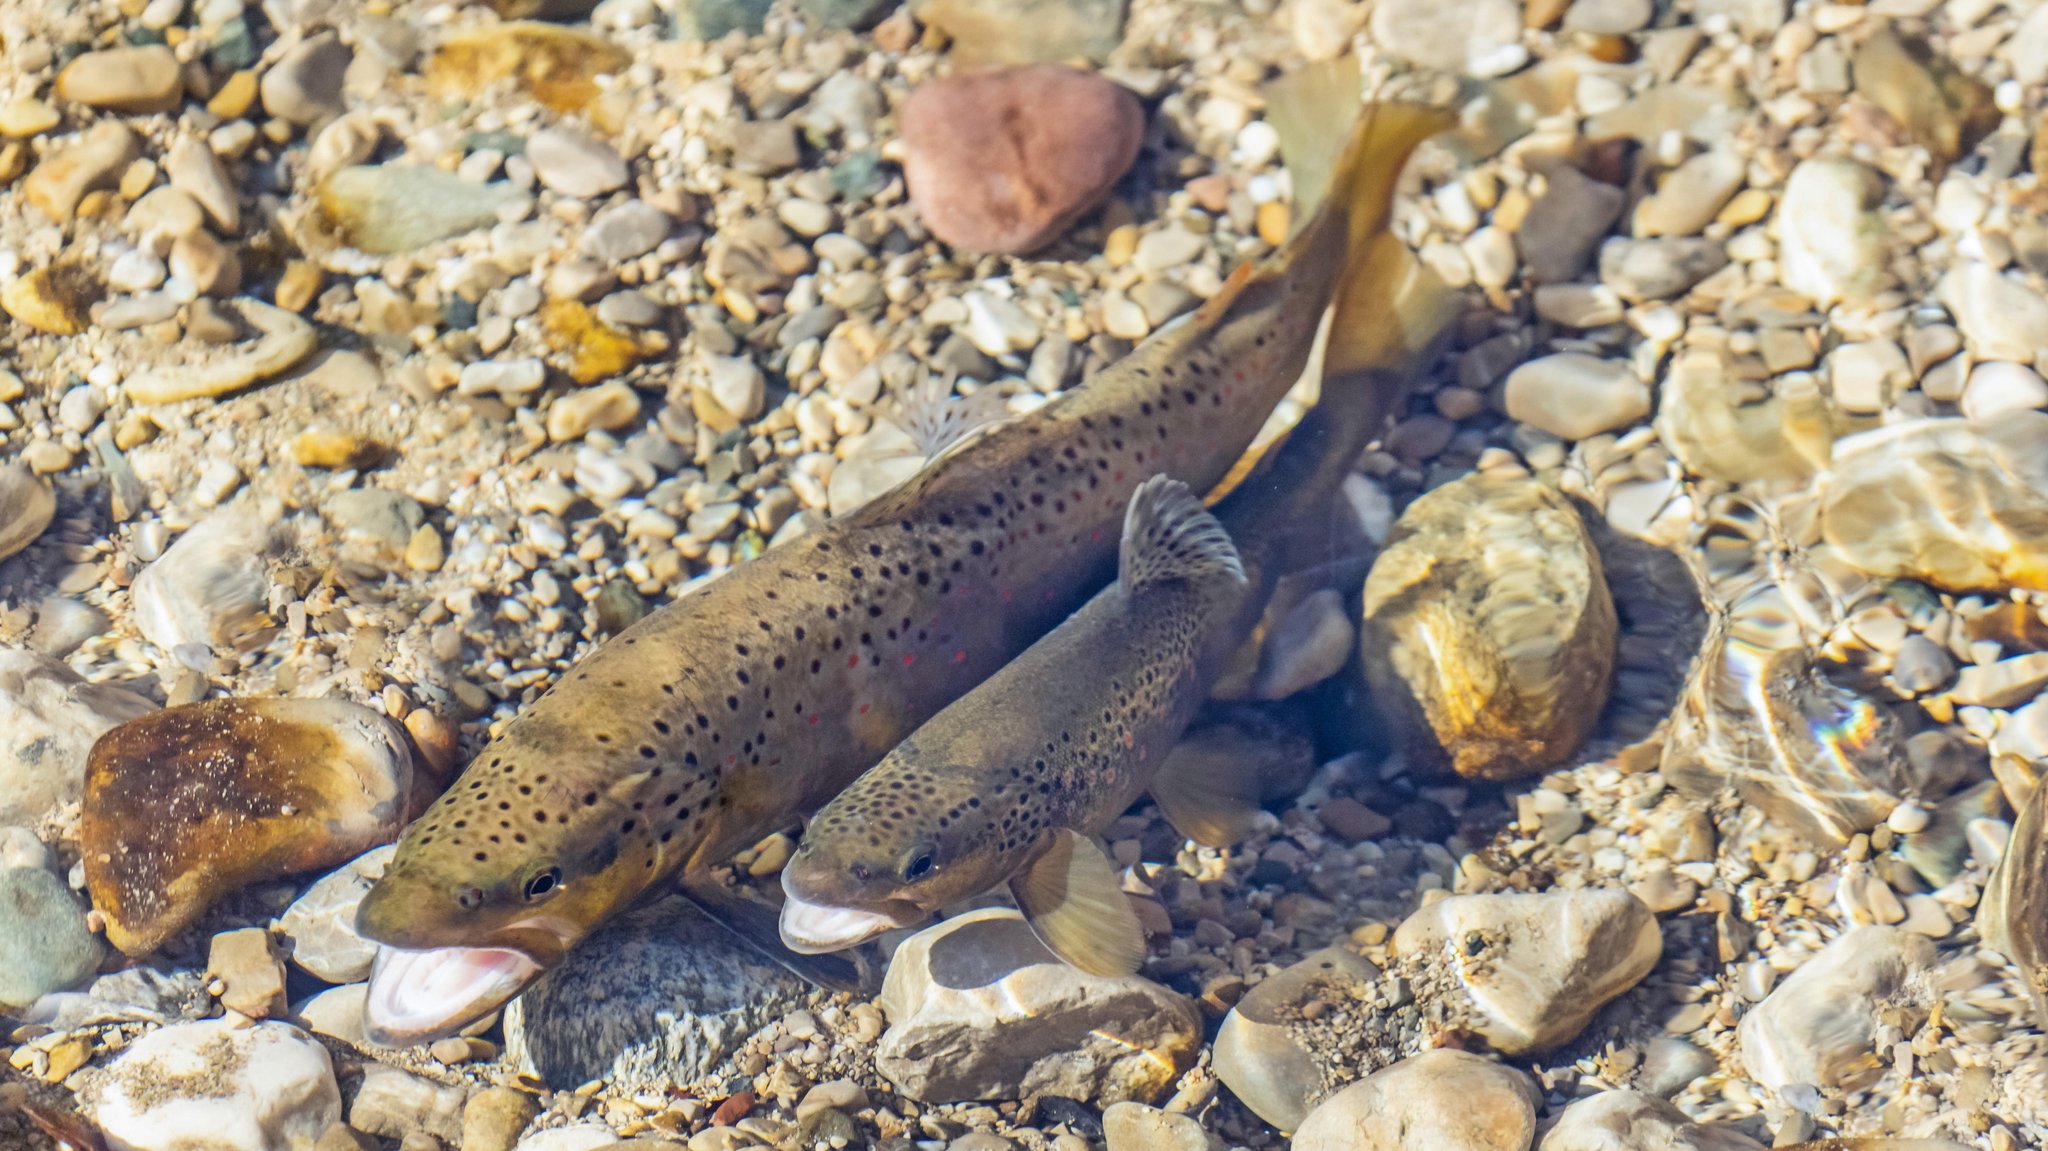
[{"x": 726, "y": 714}]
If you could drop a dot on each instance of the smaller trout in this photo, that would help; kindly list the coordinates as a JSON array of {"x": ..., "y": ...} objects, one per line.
[{"x": 1009, "y": 788}]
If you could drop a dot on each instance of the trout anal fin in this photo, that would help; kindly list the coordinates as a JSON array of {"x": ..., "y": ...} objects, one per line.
[
  {"x": 1169, "y": 536},
  {"x": 1207, "y": 795},
  {"x": 1070, "y": 897},
  {"x": 759, "y": 925}
]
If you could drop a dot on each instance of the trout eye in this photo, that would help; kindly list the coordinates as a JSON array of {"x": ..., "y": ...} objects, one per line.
[
  {"x": 544, "y": 883},
  {"x": 918, "y": 868}
]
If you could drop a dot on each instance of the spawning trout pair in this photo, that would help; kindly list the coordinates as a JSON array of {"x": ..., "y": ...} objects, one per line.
[
  {"x": 1007, "y": 785},
  {"x": 728, "y": 713}
]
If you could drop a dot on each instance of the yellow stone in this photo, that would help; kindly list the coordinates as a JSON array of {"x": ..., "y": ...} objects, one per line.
[
  {"x": 137, "y": 178},
  {"x": 56, "y": 299},
  {"x": 556, "y": 66},
  {"x": 425, "y": 552},
  {"x": 1748, "y": 206},
  {"x": 298, "y": 285},
  {"x": 27, "y": 117},
  {"x": 1272, "y": 221},
  {"x": 233, "y": 100},
  {"x": 13, "y": 161},
  {"x": 324, "y": 448},
  {"x": 1121, "y": 245},
  {"x": 135, "y": 430},
  {"x": 588, "y": 349},
  {"x": 67, "y": 1056}
]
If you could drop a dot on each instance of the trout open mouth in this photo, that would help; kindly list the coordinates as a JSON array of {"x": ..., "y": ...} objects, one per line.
[
  {"x": 814, "y": 929},
  {"x": 420, "y": 996}
]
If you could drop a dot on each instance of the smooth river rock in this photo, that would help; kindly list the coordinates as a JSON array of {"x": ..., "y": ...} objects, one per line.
[
  {"x": 1633, "y": 1121},
  {"x": 49, "y": 718},
  {"x": 44, "y": 944},
  {"x": 979, "y": 1009},
  {"x": 1442, "y": 1100},
  {"x": 659, "y": 996},
  {"x": 1261, "y": 1052},
  {"x": 1489, "y": 634},
  {"x": 321, "y": 923},
  {"x": 213, "y": 1085},
  {"x": 188, "y": 804},
  {"x": 1819, "y": 1025},
  {"x": 1533, "y": 968},
  {"x": 27, "y": 505}
]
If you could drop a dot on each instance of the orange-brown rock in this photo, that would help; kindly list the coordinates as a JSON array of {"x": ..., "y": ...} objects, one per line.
[
  {"x": 189, "y": 804},
  {"x": 1489, "y": 633},
  {"x": 557, "y": 66},
  {"x": 1006, "y": 160}
]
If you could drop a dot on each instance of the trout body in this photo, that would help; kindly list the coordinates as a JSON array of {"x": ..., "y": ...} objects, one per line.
[{"x": 728, "y": 713}]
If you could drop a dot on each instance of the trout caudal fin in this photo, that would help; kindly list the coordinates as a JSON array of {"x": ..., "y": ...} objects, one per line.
[{"x": 1169, "y": 535}]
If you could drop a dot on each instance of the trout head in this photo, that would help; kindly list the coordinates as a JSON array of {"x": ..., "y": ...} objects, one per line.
[
  {"x": 493, "y": 885},
  {"x": 902, "y": 842}
]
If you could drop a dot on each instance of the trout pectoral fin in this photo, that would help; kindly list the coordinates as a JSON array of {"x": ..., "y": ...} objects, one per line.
[
  {"x": 759, "y": 925},
  {"x": 1069, "y": 896},
  {"x": 1206, "y": 796}
]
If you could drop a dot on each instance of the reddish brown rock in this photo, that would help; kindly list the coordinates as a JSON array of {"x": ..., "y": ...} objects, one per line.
[
  {"x": 188, "y": 804},
  {"x": 1006, "y": 160}
]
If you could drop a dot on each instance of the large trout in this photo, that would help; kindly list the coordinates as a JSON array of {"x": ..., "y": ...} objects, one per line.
[{"x": 733, "y": 710}]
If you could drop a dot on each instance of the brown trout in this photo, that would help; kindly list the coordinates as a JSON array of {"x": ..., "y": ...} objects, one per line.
[
  {"x": 1005, "y": 785},
  {"x": 728, "y": 713}
]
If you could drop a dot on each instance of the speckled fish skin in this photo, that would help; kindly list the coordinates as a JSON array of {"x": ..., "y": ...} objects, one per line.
[{"x": 725, "y": 714}]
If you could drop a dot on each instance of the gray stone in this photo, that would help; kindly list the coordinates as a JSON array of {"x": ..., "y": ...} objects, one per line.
[
  {"x": 574, "y": 164},
  {"x": 979, "y": 1009},
  {"x": 1573, "y": 395},
  {"x": 1817, "y": 1027},
  {"x": 1259, "y": 1053},
  {"x": 136, "y": 995},
  {"x": 397, "y": 1103},
  {"x": 858, "y": 15},
  {"x": 381, "y": 519},
  {"x": 1136, "y": 1127},
  {"x": 1658, "y": 268},
  {"x": 44, "y": 945},
  {"x": 1481, "y": 39},
  {"x": 714, "y": 19},
  {"x": 321, "y": 923},
  {"x": 1922, "y": 665},
  {"x": 1631, "y": 1121},
  {"x": 49, "y": 718},
  {"x": 1670, "y": 1064},
  {"x": 1443, "y": 1100},
  {"x": 1027, "y": 31},
  {"x": 1831, "y": 243},
  {"x": 625, "y": 231},
  {"x": 660, "y": 997},
  {"x": 304, "y": 86},
  {"x": 1566, "y": 223},
  {"x": 1534, "y": 968}
]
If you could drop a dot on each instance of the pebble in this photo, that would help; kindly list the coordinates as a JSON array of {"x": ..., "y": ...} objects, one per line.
[
  {"x": 49, "y": 720},
  {"x": 188, "y": 804},
  {"x": 1999, "y": 387},
  {"x": 56, "y": 299},
  {"x": 134, "y": 80},
  {"x": 608, "y": 407},
  {"x": 507, "y": 378},
  {"x": 625, "y": 230},
  {"x": 387, "y": 209},
  {"x": 1065, "y": 138},
  {"x": 1445, "y": 1100},
  {"x": 336, "y": 1012},
  {"x": 1818, "y": 1026},
  {"x": 1496, "y": 677},
  {"x": 1864, "y": 377},
  {"x": 27, "y": 505},
  {"x": 1565, "y": 225},
  {"x": 737, "y": 385},
  {"x": 2000, "y": 316},
  {"x": 573, "y": 164},
  {"x": 655, "y": 997},
  {"x": 210, "y": 588},
  {"x": 1943, "y": 501},
  {"x": 284, "y": 340},
  {"x": 1671, "y": 1064},
  {"x": 396, "y": 1103},
  {"x": 1482, "y": 39},
  {"x": 1136, "y": 1127},
  {"x": 1309, "y": 644},
  {"x": 2027, "y": 51},
  {"x": 1632, "y": 1121},
  {"x": 212, "y": 1084},
  {"x": 494, "y": 1118},
  {"x": 304, "y": 87},
  {"x": 27, "y": 116},
  {"x": 1534, "y": 967},
  {"x": 978, "y": 1009},
  {"x": 1831, "y": 243},
  {"x": 1693, "y": 194},
  {"x": 1260, "y": 1052},
  {"x": 321, "y": 923},
  {"x": 1027, "y": 31},
  {"x": 1607, "y": 17},
  {"x": 1658, "y": 268},
  {"x": 44, "y": 944},
  {"x": 87, "y": 162},
  {"x": 1575, "y": 396},
  {"x": 249, "y": 972}
]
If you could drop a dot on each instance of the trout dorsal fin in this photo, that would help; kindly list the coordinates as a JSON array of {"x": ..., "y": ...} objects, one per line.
[
  {"x": 1069, "y": 895},
  {"x": 938, "y": 421},
  {"x": 1169, "y": 535}
]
